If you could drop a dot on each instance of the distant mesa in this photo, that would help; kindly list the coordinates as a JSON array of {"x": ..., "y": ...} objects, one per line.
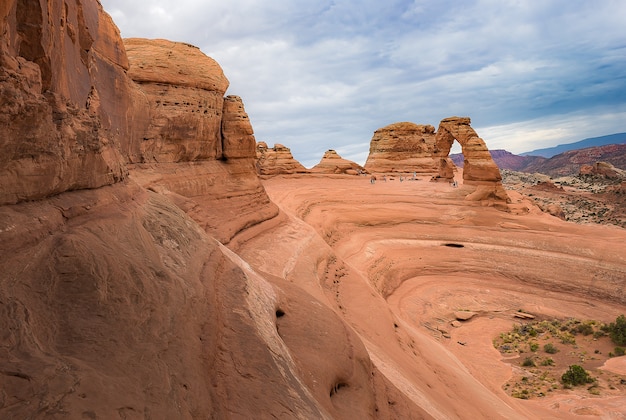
[
  {"x": 276, "y": 160},
  {"x": 332, "y": 163}
]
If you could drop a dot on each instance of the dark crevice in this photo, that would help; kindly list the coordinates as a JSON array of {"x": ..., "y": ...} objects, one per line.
[
  {"x": 338, "y": 386},
  {"x": 453, "y": 245}
]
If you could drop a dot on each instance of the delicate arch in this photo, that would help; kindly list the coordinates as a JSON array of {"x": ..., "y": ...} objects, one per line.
[{"x": 478, "y": 164}]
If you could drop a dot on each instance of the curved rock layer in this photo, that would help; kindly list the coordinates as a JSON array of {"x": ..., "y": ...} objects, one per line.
[
  {"x": 332, "y": 163},
  {"x": 276, "y": 160},
  {"x": 400, "y": 260}
]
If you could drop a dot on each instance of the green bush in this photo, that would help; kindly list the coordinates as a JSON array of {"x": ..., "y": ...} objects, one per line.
[
  {"x": 550, "y": 348},
  {"x": 547, "y": 362},
  {"x": 617, "y": 331},
  {"x": 620, "y": 351},
  {"x": 533, "y": 347},
  {"x": 528, "y": 362},
  {"x": 576, "y": 375}
]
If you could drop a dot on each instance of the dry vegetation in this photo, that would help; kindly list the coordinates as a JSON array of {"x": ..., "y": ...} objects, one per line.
[{"x": 548, "y": 355}]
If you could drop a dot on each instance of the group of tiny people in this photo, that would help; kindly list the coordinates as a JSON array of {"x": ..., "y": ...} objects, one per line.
[
  {"x": 373, "y": 179},
  {"x": 402, "y": 178}
]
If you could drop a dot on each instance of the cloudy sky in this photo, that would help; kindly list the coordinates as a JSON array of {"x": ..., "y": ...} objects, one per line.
[{"x": 322, "y": 74}]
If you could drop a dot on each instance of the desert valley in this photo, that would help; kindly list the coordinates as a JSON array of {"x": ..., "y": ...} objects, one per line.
[{"x": 159, "y": 263}]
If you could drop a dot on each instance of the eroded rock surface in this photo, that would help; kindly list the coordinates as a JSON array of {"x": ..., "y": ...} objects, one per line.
[{"x": 199, "y": 147}]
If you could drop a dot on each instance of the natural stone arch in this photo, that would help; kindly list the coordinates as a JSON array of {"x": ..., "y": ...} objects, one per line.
[
  {"x": 478, "y": 164},
  {"x": 480, "y": 172}
]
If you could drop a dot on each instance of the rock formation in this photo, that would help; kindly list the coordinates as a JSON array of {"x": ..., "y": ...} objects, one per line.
[
  {"x": 603, "y": 169},
  {"x": 199, "y": 147},
  {"x": 332, "y": 163},
  {"x": 185, "y": 91},
  {"x": 479, "y": 170},
  {"x": 403, "y": 147},
  {"x": 276, "y": 160},
  {"x": 114, "y": 302},
  {"x": 407, "y": 147}
]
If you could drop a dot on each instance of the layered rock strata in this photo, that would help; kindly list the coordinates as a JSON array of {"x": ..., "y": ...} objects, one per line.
[
  {"x": 332, "y": 163},
  {"x": 403, "y": 147},
  {"x": 276, "y": 160}
]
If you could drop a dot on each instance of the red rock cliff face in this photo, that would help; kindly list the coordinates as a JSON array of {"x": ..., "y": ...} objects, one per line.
[{"x": 65, "y": 99}]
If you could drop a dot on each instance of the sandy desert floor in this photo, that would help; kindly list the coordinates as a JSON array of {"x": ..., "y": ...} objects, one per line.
[{"x": 397, "y": 259}]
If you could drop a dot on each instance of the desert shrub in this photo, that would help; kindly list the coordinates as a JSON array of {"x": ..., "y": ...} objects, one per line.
[
  {"x": 619, "y": 351},
  {"x": 533, "y": 347},
  {"x": 567, "y": 338},
  {"x": 617, "y": 331},
  {"x": 576, "y": 375},
  {"x": 584, "y": 329},
  {"x": 528, "y": 362},
  {"x": 550, "y": 348},
  {"x": 547, "y": 362}
]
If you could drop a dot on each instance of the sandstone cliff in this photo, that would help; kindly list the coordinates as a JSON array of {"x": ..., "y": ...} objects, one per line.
[
  {"x": 332, "y": 163},
  {"x": 199, "y": 146},
  {"x": 69, "y": 113},
  {"x": 276, "y": 160}
]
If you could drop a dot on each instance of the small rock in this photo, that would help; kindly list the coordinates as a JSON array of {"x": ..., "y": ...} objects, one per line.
[
  {"x": 523, "y": 315},
  {"x": 455, "y": 324},
  {"x": 464, "y": 315}
]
